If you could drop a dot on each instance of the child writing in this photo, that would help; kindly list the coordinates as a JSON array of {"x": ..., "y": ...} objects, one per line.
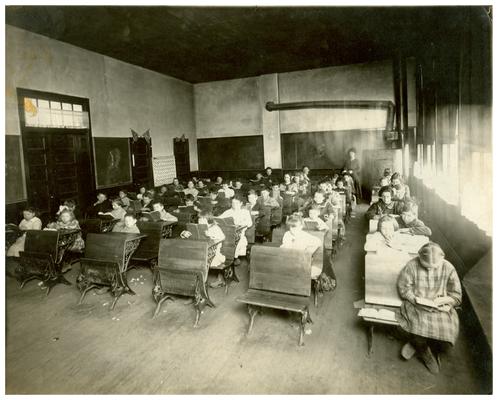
[{"x": 29, "y": 222}]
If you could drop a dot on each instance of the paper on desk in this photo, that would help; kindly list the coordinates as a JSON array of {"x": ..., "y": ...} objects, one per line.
[
  {"x": 383, "y": 314},
  {"x": 359, "y": 303}
]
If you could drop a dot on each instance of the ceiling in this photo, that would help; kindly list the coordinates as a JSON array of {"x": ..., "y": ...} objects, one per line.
[{"x": 199, "y": 44}]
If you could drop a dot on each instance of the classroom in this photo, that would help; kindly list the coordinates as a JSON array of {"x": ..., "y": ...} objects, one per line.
[{"x": 248, "y": 200}]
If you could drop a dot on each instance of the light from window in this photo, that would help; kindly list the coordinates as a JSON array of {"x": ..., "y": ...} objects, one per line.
[{"x": 54, "y": 114}]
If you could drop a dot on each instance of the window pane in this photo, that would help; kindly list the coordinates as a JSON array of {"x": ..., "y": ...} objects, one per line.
[
  {"x": 55, "y": 105},
  {"x": 67, "y": 106},
  {"x": 77, "y": 107}
]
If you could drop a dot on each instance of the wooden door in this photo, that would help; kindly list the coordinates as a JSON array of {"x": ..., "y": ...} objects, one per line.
[
  {"x": 141, "y": 151},
  {"x": 182, "y": 158},
  {"x": 58, "y": 168}
]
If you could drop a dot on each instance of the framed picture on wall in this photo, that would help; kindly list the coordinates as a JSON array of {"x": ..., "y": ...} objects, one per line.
[{"x": 112, "y": 162}]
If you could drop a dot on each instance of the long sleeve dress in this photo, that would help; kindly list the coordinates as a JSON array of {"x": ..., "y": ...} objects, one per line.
[
  {"x": 25, "y": 225},
  {"x": 415, "y": 280}
]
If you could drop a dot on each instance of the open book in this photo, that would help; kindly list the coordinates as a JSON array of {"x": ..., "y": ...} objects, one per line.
[
  {"x": 431, "y": 304},
  {"x": 152, "y": 216}
]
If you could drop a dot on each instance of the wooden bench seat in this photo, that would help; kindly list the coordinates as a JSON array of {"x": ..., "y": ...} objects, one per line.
[
  {"x": 279, "y": 279},
  {"x": 279, "y": 301}
]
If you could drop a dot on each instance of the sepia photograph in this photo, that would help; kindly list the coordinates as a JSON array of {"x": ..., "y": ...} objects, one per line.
[{"x": 252, "y": 199}]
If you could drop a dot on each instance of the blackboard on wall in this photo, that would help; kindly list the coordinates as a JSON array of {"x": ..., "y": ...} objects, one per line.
[
  {"x": 14, "y": 175},
  {"x": 231, "y": 153}
]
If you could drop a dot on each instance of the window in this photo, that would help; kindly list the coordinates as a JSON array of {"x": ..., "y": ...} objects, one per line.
[{"x": 41, "y": 113}]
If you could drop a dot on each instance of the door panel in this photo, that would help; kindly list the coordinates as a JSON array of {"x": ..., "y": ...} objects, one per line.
[{"x": 58, "y": 168}]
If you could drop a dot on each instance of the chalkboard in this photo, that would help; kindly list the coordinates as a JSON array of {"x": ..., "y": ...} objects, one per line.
[
  {"x": 14, "y": 176},
  {"x": 231, "y": 153},
  {"x": 318, "y": 150},
  {"x": 112, "y": 161}
]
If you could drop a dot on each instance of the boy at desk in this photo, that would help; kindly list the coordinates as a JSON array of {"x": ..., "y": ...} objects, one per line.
[
  {"x": 164, "y": 215},
  {"x": 127, "y": 225}
]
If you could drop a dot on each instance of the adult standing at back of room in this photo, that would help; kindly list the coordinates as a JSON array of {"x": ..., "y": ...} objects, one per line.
[{"x": 352, "y": 166}]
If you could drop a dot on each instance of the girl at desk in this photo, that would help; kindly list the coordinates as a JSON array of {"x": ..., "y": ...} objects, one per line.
[
  {"x": 67, "y": 220},
  {"x": 29, "y": 222},
  {"x": 430, "y": 289},
  {"x": 388, "y": 238},
  {"x": 410, "y": 224},
  {"x": 385, "y": 206}
]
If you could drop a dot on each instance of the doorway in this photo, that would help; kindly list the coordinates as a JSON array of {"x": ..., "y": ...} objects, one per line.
[{"x": 56, "y": 138}]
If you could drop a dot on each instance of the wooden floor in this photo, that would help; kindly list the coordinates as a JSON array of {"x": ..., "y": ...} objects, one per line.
[{"x": 55, "y": 346}]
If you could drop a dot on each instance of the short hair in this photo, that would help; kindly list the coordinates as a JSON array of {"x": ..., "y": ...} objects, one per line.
[
  {"x": 158, "y": 202},
  {"x": 238, "y": 198},
  {"x": 351, "y": 149},
  {"x": 213, "y": 190},
  {"x": 386, "y": 219},
  {"x": 130, "y": 214},
  {"x": 384, "y": 189},
  {"x": 304, "y": 166},
  {"x": 30, "y": 209},
  {"x": 264, "y": 189},
  {"x": 410, "y": 206},
  {"x": 206, "y": 214},
  {"x": 387, "y": 171},
  {"x": 67, "y": 211},
  {"x": 189, "y": 197},
  {"x": 340, "y": 180},
  {"x": 252, "y": 191},
  {"x": 267, "y": 168},
  {"x": 395, "y": 176},
  {"x": 124, "y": 191},
  {"x": 149, "y": 195},
  {"x": 69, "y": 203},
  {"x": 99, "y": 193},
  {"x": 294, "y": 220}
]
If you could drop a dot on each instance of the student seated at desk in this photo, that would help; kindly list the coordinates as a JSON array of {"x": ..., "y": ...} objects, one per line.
[
  {"x": 385, "y": 206},
  {"x": 265, "y": 200},
  {"x": 147, "y": 202},
  {"x": 191, "y": 189},
  {"x": 409, "y": 223},
  {"x": 252, "y": 203},
  {"x": 430, "y": 289},
  {"x": 214, "y": 233},
  {"x": 127, "y": 225},
  {"x": 238, "y": 188},
  {"x": 29, "y": 222},
  {"x": 242, "y": 218},
  {"x": 387, "y": 174},
  {"x": 387, "y": 238},
  {"x": 314, "y": 217},
  {"x": 229, "y": 193},
  {"x": 401, "y": 190},
  {"x": 141, "y": 191},
  {"x": 123, "y": 195},
  {"x": 259, "y": 179},
  {"x": 319, "y": 202},
  {"x": 287, "y": 186},
  {"x": 342, "y": 188},
  {"x": 275, "y": 194},
  {"x": 384, "y": 182},
  {"x": 202, "y": 190},
  {"x": 118, "y": 212},
  {"x": 67, "y": 220},
  {"x": 165, "y": 216},
  {"x": 296, "y": 238},
  {"x": 175, "y": 186},
  {"x": 101, "y": 205}
]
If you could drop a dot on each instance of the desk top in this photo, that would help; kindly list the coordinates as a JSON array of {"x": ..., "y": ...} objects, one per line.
[
  {"x": 127, "y": 236},
  {"x": 406, "y": 243}
]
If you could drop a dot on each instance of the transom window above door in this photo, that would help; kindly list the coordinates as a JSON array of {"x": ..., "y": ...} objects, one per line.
[{"x": 42, "y": 113}]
